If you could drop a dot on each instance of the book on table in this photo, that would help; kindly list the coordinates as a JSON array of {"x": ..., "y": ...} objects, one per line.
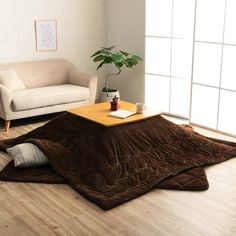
[{"x": 121, "y": 114}]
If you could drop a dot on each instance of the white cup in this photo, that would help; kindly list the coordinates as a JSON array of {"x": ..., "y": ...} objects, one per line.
[{"x": 140, "y": 107}]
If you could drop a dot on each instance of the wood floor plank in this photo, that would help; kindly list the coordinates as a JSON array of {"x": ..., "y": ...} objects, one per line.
[{"x": 51, "y": 209}]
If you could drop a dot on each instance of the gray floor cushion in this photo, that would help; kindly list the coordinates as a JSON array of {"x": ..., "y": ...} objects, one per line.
[{"x": 27, "y": 155}]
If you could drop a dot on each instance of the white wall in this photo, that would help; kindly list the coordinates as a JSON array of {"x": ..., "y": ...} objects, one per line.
[
  {"x": 126, "y": 27},
  {"x": 81, "y": 29}
]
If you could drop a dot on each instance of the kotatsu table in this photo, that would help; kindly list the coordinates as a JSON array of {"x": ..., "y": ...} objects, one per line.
[
  {"x": 111, "y": 161},
  {"x": 99, "y": 113}
]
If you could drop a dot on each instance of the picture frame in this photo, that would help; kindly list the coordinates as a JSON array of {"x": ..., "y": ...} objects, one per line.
[{"x": 46, "y": 35}]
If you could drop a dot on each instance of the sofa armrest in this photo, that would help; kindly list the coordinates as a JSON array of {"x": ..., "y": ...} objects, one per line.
[
  {"x": 5, "y": 101},
  {"x": 85, "y": 80}
]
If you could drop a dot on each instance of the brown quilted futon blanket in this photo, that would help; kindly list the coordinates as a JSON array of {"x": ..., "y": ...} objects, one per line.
[{"x": 112, "y": 165}]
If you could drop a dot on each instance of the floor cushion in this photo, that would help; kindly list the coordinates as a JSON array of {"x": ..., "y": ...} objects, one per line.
[
  {"x": 48, "y": 96},
  {"x": 27, "y": 155}
]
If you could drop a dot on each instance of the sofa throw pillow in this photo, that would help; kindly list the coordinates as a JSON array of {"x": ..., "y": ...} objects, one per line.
[
  {"x": 10, "y": 79},
  {"x": 27, "y": 155}
]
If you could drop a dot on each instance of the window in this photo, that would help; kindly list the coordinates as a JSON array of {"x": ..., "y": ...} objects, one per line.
[
  {"x": 191, "y": 60},
  {"x": 169, "y": 44},
  {"x": 214, "y": 86}
]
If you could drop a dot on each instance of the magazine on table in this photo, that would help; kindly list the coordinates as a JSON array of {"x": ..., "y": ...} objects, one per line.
[{"x": 122, "y": 114}]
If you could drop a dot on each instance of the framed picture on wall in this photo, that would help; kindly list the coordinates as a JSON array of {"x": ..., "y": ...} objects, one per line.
[{"x": 46, "y": 35}]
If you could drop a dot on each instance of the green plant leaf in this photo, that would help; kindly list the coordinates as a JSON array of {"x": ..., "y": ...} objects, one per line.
[
  {"x": 131, "y": 62},
  {"x": 110, "y": 48},
  {"x": 130, "y": 65},
  {"x": 106, "y": 52},
  {"x": 100, "y": 65},
  {"x": 106, "y": 55},
  {"x": 120, "y": 64},
  {"x": 125, "y": 53},
  {"x": 96, "y": 53},
  {"x": 107, "y": 60},
  {"x": 99, "y": 58},
  {"x": 116, "y": 58},
  {"x": 137, "y": 58}
]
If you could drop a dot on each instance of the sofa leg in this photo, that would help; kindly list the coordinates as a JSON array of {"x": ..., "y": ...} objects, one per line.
[{"x": 7, "y": 125}]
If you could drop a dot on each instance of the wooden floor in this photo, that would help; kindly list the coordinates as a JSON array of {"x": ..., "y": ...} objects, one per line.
[{"x": 47, "y": 209}]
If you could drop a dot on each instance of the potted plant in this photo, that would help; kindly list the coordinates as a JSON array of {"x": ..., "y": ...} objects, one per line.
[{"x": 117, "y": 58}]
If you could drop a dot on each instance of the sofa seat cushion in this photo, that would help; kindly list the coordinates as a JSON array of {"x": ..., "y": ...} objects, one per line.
[{"x": 48, "y": 96}]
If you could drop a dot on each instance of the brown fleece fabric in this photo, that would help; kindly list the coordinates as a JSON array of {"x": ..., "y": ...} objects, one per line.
[{"x": 112, "y": 165}]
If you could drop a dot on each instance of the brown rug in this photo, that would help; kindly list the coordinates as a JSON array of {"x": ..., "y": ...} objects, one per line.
[{"x": 112, "y": 165}]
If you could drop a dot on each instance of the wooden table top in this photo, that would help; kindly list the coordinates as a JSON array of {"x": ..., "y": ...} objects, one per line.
[{"x": 99, "y": 113}]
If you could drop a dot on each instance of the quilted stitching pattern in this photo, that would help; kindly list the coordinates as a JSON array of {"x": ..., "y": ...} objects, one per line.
[
  {"x": 113, "y": 165},
  {"x": 194, "y": 179}
]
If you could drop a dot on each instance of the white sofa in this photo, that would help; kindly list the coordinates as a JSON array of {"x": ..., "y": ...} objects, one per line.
[{"x": 41, "y": 87}]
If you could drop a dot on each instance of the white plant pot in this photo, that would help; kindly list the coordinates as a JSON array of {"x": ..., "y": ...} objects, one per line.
[{"x": 107, "y": 96}]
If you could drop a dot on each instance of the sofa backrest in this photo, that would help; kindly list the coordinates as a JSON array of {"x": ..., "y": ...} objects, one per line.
[{"x": 41, "y": 73}]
